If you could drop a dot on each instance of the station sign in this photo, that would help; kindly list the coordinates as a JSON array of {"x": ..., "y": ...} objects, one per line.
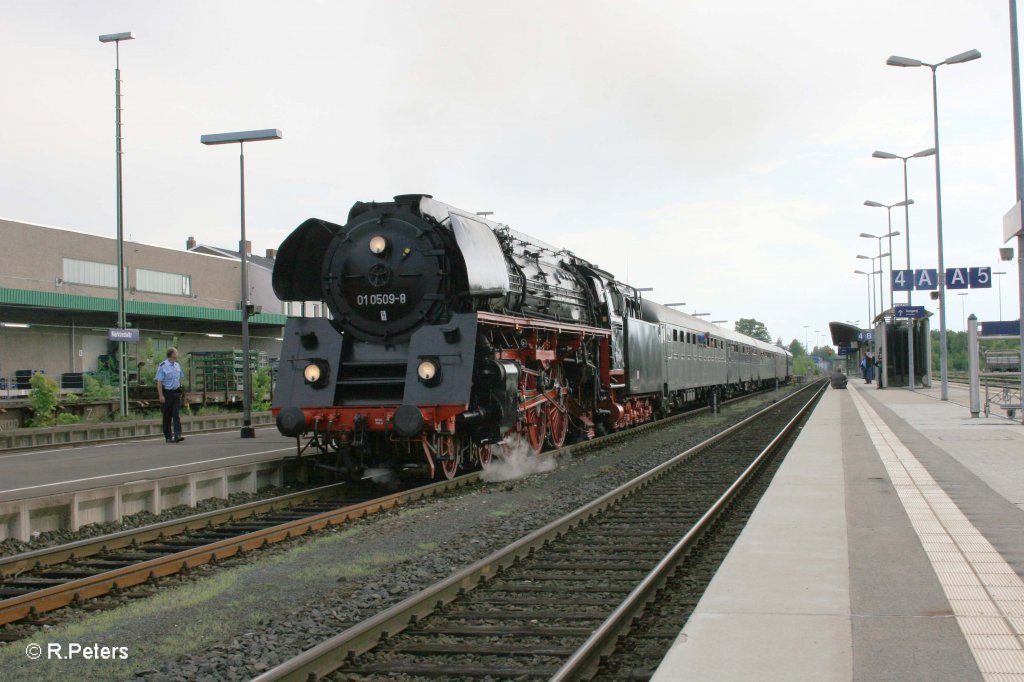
[
  {"x": 910, "y": 311},
  {"x": 865, "y": 336},
  {"x": 902, "y": 280},
  {"x": 125, "y": 335},
  {"x": 981, "y": 278},
  {"x": 928, "y": 279},
  {"x": 847, "y": 350}
]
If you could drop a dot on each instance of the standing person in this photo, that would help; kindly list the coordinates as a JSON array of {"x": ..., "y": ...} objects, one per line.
[
  {"x": 168, "y": 387},
  {"x": 864, "y": 368},
  {"x": 871, "y": 367}
]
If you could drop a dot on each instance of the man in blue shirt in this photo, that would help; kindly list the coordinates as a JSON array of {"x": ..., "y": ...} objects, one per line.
[{"x": 168, "y": 387}]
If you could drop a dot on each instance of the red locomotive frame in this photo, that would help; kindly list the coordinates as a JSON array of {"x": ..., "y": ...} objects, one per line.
[{"x": 547, "y": 403}]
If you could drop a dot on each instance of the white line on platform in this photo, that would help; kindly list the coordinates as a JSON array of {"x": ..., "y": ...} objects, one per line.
[
  {"x": 985, "y": 593},
  {"x": 144, "y": 471},
  {"x": 70, "y": 447}
]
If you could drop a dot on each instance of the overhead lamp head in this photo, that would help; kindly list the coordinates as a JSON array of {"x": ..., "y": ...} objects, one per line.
[
  {"x": 903, "y": 61},
  {"x": 864, "y": 257},
  {"x": 894, "y": 233},
  {"x": 115, "y": 37},
  {"x": 926, "y": 152},
  {"x": 885, "y": 155},
  {"x": 968, "y": 56},
  {"x": 867, "y": 236},
  {"x": 859, "y": 272},
  {"x": 243, "y": 136},
  {"x": 908, "y": 202},
  {"x": 874, "y": 204}
]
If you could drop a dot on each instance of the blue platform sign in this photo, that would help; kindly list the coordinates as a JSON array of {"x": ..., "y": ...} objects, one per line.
[
  {"x": 129, "y": 335},
  {"x": 957, "y": 278},
  {"x": 981, "y": 278},
  {"x": 926, "y": 280},
  {"x": 902, "y": 280},
  {"x": 865, "y": 335},
  {"x": 905, "y": 311}
]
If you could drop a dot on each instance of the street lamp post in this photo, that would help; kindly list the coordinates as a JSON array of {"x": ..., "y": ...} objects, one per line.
[
  {"x": 910, "y": 323},
  {"x": 906, "y": 226},
  {"x": 122, "y": 363},
  {"x": 1018, "y": 163},
  {"x": 241, "y": 138},
  {"x": 961, "y": 58},
  {"x": 874, "y": 204},
  {"x": 871, "y": 292},
  {"x": 999, "y": 283},
  {"x": 806, "y": 349},
  {"x": 881, "y": 266},
  {"x": 879, "y": 271}
]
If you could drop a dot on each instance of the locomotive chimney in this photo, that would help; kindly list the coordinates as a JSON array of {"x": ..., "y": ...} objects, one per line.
[
  {"x": 271, "y": 254},
  {"x": 190, "y": 243}
]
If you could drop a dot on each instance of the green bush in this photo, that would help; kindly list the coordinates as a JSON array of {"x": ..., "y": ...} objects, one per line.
[
  {"x": 67, "y": 418},
  {"x": 97, "y": 390},
  {"x": 43, "y": 398},
  {"x": 261, "y": 390}
]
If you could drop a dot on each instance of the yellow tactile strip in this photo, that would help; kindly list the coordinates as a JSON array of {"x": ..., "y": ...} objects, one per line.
[{"x": 985, "y": 593}]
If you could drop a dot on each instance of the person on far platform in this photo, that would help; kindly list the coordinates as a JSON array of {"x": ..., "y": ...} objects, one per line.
[{"x": 168, "y": 388}]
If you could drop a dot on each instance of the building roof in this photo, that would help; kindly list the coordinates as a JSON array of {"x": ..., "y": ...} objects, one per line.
[
  {"x": 43, "y": 299},
  {"x": 260, "y": 261}
]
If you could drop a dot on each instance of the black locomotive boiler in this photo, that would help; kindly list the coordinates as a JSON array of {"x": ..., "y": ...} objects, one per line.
[{"x": 452, "y": 339}]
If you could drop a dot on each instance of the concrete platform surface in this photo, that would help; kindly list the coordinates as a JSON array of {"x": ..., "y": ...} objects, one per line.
[
  {"x": 45, "y": 472},
  {"x": 889, "y": 546}
]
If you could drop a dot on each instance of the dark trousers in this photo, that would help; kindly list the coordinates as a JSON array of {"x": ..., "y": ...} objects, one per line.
[{"x": 172, "y": 413}]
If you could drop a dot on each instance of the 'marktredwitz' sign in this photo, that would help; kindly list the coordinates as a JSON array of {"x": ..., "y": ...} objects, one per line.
[{"x": 126, "y": 335}]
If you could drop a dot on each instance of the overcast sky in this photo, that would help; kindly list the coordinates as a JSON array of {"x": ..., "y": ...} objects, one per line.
[{"x": 721, "y": 152}]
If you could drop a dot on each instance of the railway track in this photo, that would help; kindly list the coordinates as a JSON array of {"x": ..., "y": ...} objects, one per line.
[
  {"x": 36, "y": 582},
  {"x": 993, "y": 379},
  {"x": 553, "y": 603}
]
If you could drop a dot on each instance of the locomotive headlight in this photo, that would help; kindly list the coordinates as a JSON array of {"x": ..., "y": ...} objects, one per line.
[
  {"x": 378, "y": 245},
  {"x": 428, "y": 371},
  {"x": 315, "y": 373}
]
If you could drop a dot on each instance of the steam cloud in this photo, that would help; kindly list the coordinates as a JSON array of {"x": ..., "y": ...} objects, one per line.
[{"x": 518, "y": 461}]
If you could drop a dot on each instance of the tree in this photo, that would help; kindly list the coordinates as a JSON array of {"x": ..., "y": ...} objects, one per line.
[
  {"x": 753, "y": 328},
  {"x": 796, "y": 348},
  {"x": 778, "y": 342},
  {"x": 824, "y": 352}
]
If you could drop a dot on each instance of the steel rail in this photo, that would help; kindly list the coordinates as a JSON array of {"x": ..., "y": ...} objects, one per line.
[
  {"x": 17, "y": 608},
  {"x": 326, "y": 657},
  {"x": 15, "y": 564},
  {"x": 585, "y": 661},
  {"x": 91, "y": 587}
]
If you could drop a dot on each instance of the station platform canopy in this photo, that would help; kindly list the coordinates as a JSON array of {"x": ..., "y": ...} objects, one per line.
[{"x": 844, "y": 334}]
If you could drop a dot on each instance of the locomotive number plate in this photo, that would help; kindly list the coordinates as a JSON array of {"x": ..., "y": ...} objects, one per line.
[{"x": 380, "y": 299}]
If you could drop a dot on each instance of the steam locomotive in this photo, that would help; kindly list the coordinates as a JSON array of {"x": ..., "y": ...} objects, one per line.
[{"x": 452, "y": 339}]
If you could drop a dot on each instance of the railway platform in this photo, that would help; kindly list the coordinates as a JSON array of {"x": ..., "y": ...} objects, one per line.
[
  {"x": 33, "y": 473},
  {"x": 889, "y": 546}
]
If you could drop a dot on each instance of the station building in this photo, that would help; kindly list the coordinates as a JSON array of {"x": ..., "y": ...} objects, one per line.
[{"x": 58, "y": 298}]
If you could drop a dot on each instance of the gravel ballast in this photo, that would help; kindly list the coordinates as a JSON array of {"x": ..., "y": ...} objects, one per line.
[{"x": 240, "y": 620}]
